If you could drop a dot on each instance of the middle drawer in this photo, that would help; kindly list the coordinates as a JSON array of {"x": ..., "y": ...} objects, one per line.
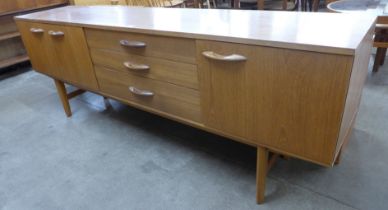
[{"x": 181, "y": 74}]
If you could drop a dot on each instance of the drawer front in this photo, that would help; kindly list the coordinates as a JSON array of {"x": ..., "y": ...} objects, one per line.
[
  {"x": 175, "y": 49},
  {"x": 181, "y": 74},
  {"x": 172, "y": 99}
]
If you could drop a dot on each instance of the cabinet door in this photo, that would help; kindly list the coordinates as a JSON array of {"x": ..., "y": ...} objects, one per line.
[
  {"x": 290, "y": 101},
  {"x": 35, "y": 39},
  {"x": 60, "y": 52},
  {"x": 222, "y": 85},
  {"x": 68, "y": 46}
]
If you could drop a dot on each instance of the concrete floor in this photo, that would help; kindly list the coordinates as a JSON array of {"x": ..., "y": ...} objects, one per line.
[{"x": 122, "y": 158}]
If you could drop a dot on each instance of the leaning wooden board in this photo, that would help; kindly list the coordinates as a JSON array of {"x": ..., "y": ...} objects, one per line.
[{"x": 285, "y": 82}]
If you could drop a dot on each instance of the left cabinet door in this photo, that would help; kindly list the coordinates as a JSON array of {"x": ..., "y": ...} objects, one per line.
[
  {"x": 36, "y": 41},
  {"x": 60, "y": 52}
]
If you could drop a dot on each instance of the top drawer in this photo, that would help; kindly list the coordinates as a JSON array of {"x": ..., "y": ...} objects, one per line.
[{"x": 176, "y": 49}]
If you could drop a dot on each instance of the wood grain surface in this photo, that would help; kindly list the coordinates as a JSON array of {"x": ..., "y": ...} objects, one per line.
[{"x": 321, "y": 32}]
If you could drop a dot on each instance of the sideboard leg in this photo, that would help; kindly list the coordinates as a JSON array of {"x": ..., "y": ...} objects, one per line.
[
  {"x": 338, "y": 159},
  {"x": 107, "y": 103},
  {"x": 285, "y": 157},
  {"x": 61, "y": 89},
  {"x": 261, "y": 173}
]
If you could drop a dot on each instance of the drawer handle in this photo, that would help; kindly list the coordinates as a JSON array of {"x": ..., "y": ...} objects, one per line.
[
  {"x": 137, "y": 67},
  {"x": 139, "y": 92},
  {"x": 135, "y": 44},
  {"x": 56, "y": 33},
  {"x": 36, "y": 30},
  {"x": 216, "y": 56}
]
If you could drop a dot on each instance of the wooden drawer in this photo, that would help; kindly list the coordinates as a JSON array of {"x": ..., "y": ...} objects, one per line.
[
  {"x": 181, "y": 74},
  {"x": 172, "y": 99},
  {"x": 176, "y": 49}
]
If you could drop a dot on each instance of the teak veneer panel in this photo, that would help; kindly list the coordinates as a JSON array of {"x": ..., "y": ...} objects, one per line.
[{"x": 295, "y": 101}]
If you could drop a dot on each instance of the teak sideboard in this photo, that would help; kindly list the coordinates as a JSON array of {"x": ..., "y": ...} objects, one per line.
[{"x": 284, "y": 82}]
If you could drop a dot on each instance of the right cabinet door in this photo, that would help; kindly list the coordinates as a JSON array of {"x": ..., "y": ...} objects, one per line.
[{"x": 290, "y": 101}]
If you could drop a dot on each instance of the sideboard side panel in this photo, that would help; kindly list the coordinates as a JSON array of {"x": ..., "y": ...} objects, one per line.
[{"x": 357, "y": 81}]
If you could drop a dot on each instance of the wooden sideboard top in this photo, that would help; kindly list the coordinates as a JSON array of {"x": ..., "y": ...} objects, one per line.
[{"x": 320, "y": 32}]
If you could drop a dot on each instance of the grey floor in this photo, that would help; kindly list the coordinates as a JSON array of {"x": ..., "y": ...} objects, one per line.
[{"x": 122, "y": 158}]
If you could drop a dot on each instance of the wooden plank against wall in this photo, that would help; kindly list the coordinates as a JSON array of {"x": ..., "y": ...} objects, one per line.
[
  {"x": 96, "y": 2},
  {"x": 8, "y": 7},
  {"x": 12, "y": 49}
]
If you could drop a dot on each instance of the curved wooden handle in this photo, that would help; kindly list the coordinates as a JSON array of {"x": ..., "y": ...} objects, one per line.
[
  {"x": 56, "y": 33},
  {"x": 215, "y": 56},
  {"x": 36, "y": 30},
  {"x": 135, "y": 44},
  {"x": 139, "y": 92},
  {"x": 137, "y": 67}
]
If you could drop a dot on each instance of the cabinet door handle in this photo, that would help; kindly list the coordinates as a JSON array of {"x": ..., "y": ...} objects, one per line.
[
  {"x": 134, "y": 44},
  {"x": 216, "y": 56},
  {"x": 56, "y": 33},
  {"x": 36, "y": 30},
  {"x": 137, "y": 67},
  {"x": 139, "y": 92}
]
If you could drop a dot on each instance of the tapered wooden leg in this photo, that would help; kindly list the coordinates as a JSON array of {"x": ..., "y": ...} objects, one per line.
[
  {"x": 384, "y": 50},
  {"x": 61, "y": 89},
  {"x": 379, "y": 54},
  {"x": 384, "y": 53},
  {"x": 285, "y": 157},
  {"x": 261, "y": 173}
]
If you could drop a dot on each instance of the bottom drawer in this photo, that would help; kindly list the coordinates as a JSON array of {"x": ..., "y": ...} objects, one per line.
[{"x": 169, "y": 98}]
